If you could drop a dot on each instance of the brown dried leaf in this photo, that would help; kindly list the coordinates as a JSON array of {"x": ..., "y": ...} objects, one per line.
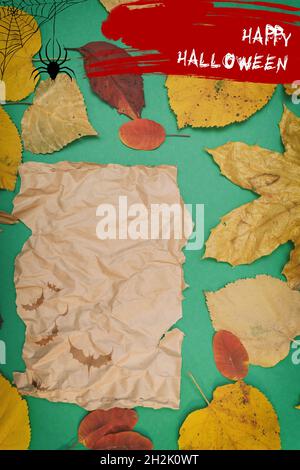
[
  {"x": 57, "y": 117},
  {"x": 259, "y": 227},
  {"x": 89, "y": 361},
  {"x": 124, "y": 92},
  {"x": 98, "y": 423},
  {"x": 202, "y": 102},
  {"x": 142, "y": 134},
  {"x": 35, "y": 305}
]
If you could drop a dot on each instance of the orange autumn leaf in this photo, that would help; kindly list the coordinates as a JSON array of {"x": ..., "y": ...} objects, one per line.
[
  {"x": 98, "y": 423},
  {"x": 142, "y": 134},
  {"x": 230, "y": 355}
]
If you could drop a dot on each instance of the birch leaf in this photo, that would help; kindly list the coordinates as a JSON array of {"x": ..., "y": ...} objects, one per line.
[
  {"x": 20, "y": 41},
  {"x": 14, "y": 423},
  {"x": 264, "y": 313},
  {"x": 57, "y": 117},
  {"x": 201, "y": 102},
  {"x": 239, "y": 417},
  {"x": 256, "y": 229},
  {"x": 10, "y": 152}
]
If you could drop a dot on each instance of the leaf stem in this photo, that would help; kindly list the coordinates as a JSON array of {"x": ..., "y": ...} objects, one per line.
[
  {"x": 10, "y": 103},
  {"x": 177, "y": 135},
  {"x": 198, "y": 387}
]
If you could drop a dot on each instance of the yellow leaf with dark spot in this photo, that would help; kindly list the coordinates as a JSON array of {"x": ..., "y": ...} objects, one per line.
[
  {"x": 239, "y": 417},
  {"x": 10, "y": 152},
  {"x": 256, "y": 229},
  {"x": 201, "y": 102}
]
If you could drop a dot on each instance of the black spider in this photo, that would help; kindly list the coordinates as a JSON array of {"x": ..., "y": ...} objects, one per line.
[{"x": 53, "y": 67}]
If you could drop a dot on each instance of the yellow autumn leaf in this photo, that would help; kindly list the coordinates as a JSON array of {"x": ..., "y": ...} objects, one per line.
[
  {"x": 21, "y": 40},
  {"x": 14, "y": 422},
  {"x": 10, "y": 152},
  {"x": 239, "y": 417},
  {"x": 201, "y": 102},
  {"x": 256, "y": 229},
  {"x": 252, "y": 310},
  {"x": 57, "y": 117},
  {"x": 110, "y": 4}
]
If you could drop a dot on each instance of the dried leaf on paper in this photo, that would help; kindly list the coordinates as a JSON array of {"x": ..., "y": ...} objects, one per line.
[
  {"x": 262, "y": 312},
  {"x": 142, "y": 134},
  {"x": 239, "y": 417},
  {"x": 123, "y": 92},
  {"x": 20, "y": 40},
  {"x": 230, "y": 355},
  {"x": 7, "y": 219},
  {"x": 256, "y": 229},
  {"x": 202, "y": 102},
  {"x": 57, "y": 117},
  {"x": 110, "y": 4},
  {"x": 10, "y": 152},
  {"x": 98, "y": 423},
  {"x": 14, "y": 424}
]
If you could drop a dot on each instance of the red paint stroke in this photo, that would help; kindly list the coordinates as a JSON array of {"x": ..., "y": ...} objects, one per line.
[{"x": 155, "y": 31}]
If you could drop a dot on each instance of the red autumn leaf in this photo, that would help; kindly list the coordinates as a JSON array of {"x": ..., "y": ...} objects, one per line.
[
  {"x": 128, "y": 440},
  {"x": 123, "y": 92},
  {"x": 101, "y": 422},
  {"x": 142, "y": 134},
  {"x": 231, "y": 357}
]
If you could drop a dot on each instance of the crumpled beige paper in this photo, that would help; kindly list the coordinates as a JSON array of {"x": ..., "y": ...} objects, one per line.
[{"x": 97, "y": 312}]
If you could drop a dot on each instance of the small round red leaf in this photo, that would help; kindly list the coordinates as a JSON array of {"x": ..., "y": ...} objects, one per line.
[
  {"x": 128, "y": 440},
  {"x": 231, "y": 357},
  {"x": 98, "y": 423},
  {"x": 142, "y": 134}
]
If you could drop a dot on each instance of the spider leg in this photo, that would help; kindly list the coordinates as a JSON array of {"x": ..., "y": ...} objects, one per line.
[
  {"x": 63, "y": 69},
  {"x": 47, "y": 51},
  {"x": 37, "y": 69},
  {"x": 38, "y": 73},
  {"x": 65, "y": 59},
  {"x": 59, "y": 51},
  {"x": 41, "y": 59}
]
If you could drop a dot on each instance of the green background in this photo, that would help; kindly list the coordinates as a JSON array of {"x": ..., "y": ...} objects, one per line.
[{"x": 54, "y": 425}]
